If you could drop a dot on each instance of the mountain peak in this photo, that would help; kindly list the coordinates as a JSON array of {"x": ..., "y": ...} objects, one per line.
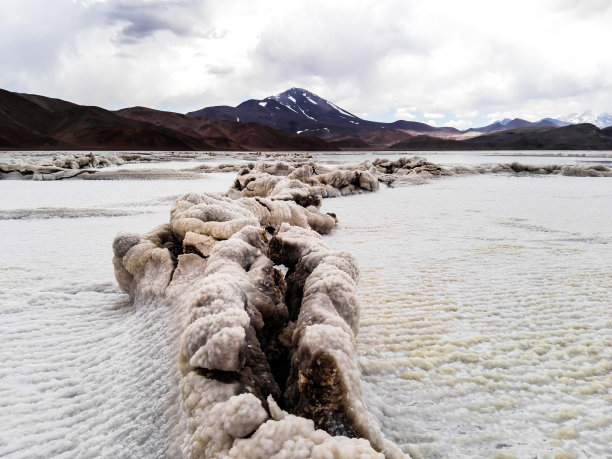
[{"x": 599, "y": 119}]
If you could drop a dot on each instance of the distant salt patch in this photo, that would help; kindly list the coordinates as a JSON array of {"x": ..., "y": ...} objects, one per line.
[{"x": 44, "y": 213}]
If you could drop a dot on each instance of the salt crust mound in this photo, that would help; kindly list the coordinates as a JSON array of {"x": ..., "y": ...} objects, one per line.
[
  {"x": 268, "y": 362},
  {"x": 42, "y": 166},
  {"x": 261, "y": 179},
  {"x": 409, "y": 168},
  {"x": 60, "y": 166}
]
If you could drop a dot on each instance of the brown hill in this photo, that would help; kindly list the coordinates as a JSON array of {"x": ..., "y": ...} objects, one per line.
[
  {"x": 424, "y": 142},
  {"x": 384, "y": 137},
  {"x": 573, "y": 137},
  {"x": 29, "y": 122},
  {"x": 228, "y": 135},
  {"x": 349, "y": 142}
]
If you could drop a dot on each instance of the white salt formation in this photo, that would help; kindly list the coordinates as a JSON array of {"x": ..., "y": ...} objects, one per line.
[
  {"x": 305, "y": 184},
  {"x": 268, "y": 362},
  {"x": 417, "y": 167},
  {"x": 43, "y": 166}
]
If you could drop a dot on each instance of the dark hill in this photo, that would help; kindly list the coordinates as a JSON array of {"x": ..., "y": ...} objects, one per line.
[
  {"x": 573, "y": 137},
  {"x": 227, "y": 135},
  {"x": 298, "y": 111},
  {"x": 424, "y": 142},
  {"x": 29, "y": 122}
]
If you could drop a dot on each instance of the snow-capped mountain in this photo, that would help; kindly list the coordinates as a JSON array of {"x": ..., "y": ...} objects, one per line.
[
  {"x": 299, "y": 111},
  {"x": 517, "y": 123},
  {"x": 599, "y": 119}
]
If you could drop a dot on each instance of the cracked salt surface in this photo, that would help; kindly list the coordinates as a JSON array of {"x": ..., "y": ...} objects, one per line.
[{"x": 485, "y": 314}]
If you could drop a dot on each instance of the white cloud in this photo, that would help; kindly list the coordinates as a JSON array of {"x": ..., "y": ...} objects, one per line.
[
  {"x": 459, "y": 124},
  {"x": 434, "y": 115},
  {"x": 405, "y": 113},
  {"x": 449, "y": 58}
]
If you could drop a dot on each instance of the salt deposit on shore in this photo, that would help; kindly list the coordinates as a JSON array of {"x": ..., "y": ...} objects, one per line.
[
  {"x": 243, "y": 352},
  {"x": 106, "y": 378}
]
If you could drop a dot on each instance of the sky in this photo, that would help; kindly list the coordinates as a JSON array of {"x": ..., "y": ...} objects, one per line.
[{"x": 457, "y": 63}]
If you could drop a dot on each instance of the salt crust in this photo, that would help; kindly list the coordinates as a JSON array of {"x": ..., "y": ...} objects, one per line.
[{"x": 232, "y": 300}]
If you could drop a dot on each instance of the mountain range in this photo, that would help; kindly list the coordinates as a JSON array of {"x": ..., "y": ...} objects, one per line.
[
  {"x": 601, "y": 120},
  {"x": 302, "y": 112},
  {"x": 295, "y": 120},
  {"x": 32, "y": 122}
]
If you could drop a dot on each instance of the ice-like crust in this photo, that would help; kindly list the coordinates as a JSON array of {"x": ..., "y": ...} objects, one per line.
[
  {"x": 408, "y": 169},
  {"x": 243, "y": 350},
  {"x": 304, "y": 184}
]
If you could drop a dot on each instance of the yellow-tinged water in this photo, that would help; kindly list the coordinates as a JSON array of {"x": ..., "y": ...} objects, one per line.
[{"x": 486, "y": 326}]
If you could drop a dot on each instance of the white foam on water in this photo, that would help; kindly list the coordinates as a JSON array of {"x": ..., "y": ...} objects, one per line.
[
  {"x": 83, "y": 372},
  {"x": 485, "y": 313}
]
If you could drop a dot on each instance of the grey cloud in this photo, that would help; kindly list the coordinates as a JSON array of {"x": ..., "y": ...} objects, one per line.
[
  {"x": 142, "y": 20},
  {"x": 306, "y": 45},
  {"x": 583, "y": 8},
  {"x": 219, "y": 69}
]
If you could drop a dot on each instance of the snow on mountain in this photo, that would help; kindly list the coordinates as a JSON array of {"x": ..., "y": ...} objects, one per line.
[
  {"x": 310, "y": 105},
  {"x": 302, "y": 112},
  {"x": 296, "y": 111},
  {"x": 599, "y": 119}
]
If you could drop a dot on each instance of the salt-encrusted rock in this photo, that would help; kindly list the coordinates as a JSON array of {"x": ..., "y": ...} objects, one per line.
[
  {"x": 242, "y": 350},
  {"x": 198, "y": 243}
]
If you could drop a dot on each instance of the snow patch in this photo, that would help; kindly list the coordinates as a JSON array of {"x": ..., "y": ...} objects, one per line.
[
  {"x": 305, "y": 114},
  {"x": 263, "y": 104},
  {"x": 287, "y": 106},
  {"x": 340, "y": 110},
  {"x": 292, "y": 99}
]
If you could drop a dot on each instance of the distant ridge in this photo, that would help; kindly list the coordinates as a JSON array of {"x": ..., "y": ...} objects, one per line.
[
  {"x": 517, "y": 123},
  {"x": 601, "y": 120},
  {"x": 299, "y": 111},
  {"x": 573, "y": 137},
  {"x": 33, "y": 122}
]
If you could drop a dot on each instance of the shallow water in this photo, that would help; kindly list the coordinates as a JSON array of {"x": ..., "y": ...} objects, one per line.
[
  {"x": 83, "y": 373},
  {"x": 485, "y": 313},
  {"x": 485, "y": 323}
]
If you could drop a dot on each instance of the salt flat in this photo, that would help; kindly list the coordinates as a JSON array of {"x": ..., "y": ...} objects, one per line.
[{"x": 485, "y": 315}]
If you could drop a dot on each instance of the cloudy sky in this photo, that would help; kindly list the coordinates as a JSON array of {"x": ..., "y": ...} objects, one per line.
[{"x": 461, "y": 63}]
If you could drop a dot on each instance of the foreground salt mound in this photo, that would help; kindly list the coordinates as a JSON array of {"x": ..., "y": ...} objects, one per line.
[{"x": 268, "y": 362}]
